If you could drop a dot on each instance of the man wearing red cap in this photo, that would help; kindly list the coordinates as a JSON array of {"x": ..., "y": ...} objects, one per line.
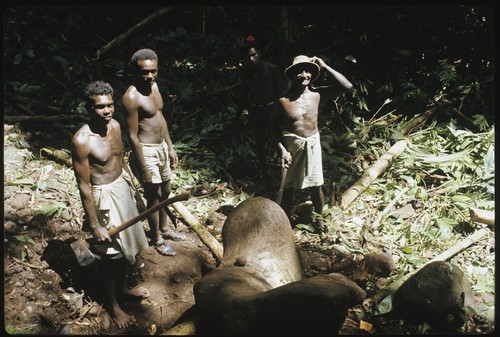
[
  {"x": 261, "y": 85},
  {"x": 295, "y": 125}
]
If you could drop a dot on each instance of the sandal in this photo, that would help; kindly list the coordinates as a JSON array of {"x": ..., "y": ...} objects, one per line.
[
  {"x": 165, "y": 249},
  {"x": 173, "y": 235}
]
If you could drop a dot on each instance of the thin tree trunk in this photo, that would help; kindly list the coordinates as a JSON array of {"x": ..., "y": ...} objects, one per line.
[
  {"x": 372, "y": 173},
  {"x": 205, "y": 236}
]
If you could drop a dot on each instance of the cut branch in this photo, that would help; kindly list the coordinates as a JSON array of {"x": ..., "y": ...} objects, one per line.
[
  {"x": 205, "y": 236},
  {"x": 372, "y": 173}
]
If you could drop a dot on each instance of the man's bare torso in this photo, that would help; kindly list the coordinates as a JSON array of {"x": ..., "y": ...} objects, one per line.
[
  {"x": 301, "y": 114},
  {"x": 151, "y": 121},
  {"x": 105, "y": 157}
]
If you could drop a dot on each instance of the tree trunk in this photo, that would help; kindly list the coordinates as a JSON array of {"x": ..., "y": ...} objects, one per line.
[{"x": 371, "y": 174}]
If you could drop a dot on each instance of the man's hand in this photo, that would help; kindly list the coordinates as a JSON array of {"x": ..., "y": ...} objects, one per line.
[
  {"x": 174, "y": 160},
  {"x": 286, "y": 159},
  {"x": 101, "y": 234},
  {"x": 146, "y": 176}
]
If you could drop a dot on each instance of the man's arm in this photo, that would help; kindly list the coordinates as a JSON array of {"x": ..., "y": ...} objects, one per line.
[
  {"x": 242, "y": 100},
  {"x": 333, "y": 90},
  {"x": 132, "y": 121},
  {"x": 80, "y": 150},
  {"x": 172, "y": 155},
  {"x": 276, "y": 129}
]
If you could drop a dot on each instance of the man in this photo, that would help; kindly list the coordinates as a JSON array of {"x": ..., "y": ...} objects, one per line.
[
  {"x": 261, "y": 86},
  {"x": 295, "y": 125},
  {"x": 152, "y": 152},
  {"x": 107, "y": 197}
]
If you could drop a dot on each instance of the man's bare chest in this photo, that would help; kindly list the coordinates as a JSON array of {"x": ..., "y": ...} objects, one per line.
[
  {"x": 105, "y": 148},
  {"x": 149, "y": 105}
]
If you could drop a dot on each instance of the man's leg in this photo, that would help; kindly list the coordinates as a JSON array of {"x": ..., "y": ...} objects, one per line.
[
  {"x": 260, "y": 143},
  {"x": 318, "y": 200},
  {"x": 152, "y": 194},
  {"x": 113, "y": 274},
  {"x": 287, "y": 201},
  {"x": 167, "y": 220}
]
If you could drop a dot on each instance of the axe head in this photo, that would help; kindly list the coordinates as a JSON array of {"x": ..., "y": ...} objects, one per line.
[{"x": 82, "y": 252}]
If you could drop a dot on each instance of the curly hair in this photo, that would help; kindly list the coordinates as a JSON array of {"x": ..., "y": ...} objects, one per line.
[
  {"x": 97, "y": 88},
  {"x": 141, "y": 54}
]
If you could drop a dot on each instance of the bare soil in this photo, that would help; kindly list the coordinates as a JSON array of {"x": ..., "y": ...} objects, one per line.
[{"x": 47, "y": 292}]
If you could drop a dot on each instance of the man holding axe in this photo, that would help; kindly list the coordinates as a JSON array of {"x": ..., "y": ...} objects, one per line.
[
  {"x": 107, "y": 197},
  {"x": 296, "y": 132}
]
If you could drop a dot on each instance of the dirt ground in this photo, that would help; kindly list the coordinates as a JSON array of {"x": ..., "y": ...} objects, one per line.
[{"x": 46, "y": 291}]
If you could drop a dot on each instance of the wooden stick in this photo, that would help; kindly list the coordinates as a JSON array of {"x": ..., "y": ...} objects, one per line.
[
  {"x": 376, "y": 223},
  {"x": 205, "y": 236}
]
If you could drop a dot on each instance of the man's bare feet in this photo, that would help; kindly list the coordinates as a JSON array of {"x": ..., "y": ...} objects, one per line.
[
  {"x": 138, "y": 291},
  {"x": 121, "y": 318}
]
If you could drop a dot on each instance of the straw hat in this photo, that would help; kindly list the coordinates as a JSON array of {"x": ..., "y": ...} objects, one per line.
[{"x": 302, "y": 61}]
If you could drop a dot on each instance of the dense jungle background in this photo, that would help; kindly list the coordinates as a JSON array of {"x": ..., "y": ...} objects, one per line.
[{"x": 430, "y": 64}]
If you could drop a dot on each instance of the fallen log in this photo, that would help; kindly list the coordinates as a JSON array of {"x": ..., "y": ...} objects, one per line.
[
  {"x": 372, "y": 173},
  {"x": 419, "y": 120},
  {"x": 205, "y": 236},
  {"x": 59, "y": 156},
  {"x": 444, "y": 256},
  {"x": 383, "y": 162},
  {"x": 483, "y": 216}
]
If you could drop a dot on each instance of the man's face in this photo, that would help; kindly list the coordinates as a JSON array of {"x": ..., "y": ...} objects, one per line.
[
  {"x": 303, "y": 76},
  {"x": 148, "y": 70},
  {"x": 254, "y": 56},
  {"x": 103, "y": 108}
]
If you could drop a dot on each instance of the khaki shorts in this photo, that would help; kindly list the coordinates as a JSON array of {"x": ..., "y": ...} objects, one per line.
[{"x": 157, "y": 161}]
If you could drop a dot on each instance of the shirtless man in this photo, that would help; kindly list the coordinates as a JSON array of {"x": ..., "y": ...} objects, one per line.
[
  {"x": 152, "y": 152},
  {"x": 107, "y": 197},
  {"x": 295, "y": 126},
  {"x": 261, "y": 86}
]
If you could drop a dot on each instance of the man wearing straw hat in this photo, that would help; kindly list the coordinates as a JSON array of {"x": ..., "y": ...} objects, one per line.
[{"x": 295, "y": 125}]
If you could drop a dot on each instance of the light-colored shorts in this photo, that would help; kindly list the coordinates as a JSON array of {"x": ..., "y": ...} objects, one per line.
[{"x": 157, "y": 161}]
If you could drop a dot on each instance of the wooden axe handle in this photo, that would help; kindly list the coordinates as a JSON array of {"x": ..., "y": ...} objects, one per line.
[
  {"x": 282, "y": 184},
  {"x": 143, "y": 215}
]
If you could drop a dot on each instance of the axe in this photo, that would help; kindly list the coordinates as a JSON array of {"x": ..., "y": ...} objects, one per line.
[{"x": 81, "y": 250}]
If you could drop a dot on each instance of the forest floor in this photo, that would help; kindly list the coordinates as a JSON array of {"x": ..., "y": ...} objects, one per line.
[{"x": 46, "y": 291}]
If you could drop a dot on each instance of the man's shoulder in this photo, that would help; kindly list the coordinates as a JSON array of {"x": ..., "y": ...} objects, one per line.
[
  {"x": 131, "y": 90},
  {"x": 81, "y": 136},
  {"x": 270, "y": 65}
]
